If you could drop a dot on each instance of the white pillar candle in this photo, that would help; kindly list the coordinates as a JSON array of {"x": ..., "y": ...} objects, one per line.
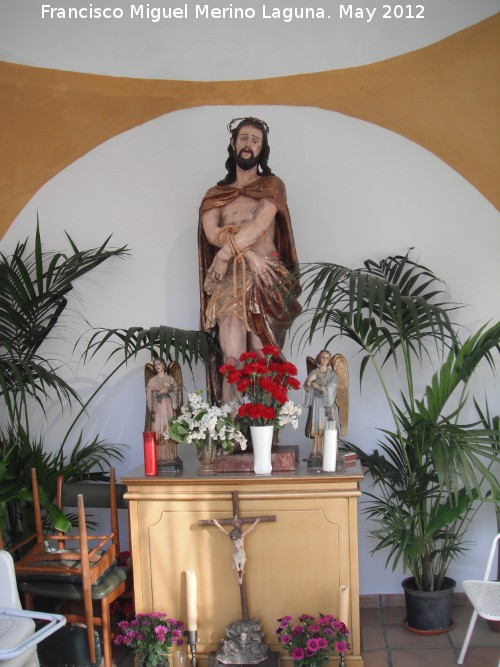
[
  {"x": 344, "y": 604},
  {"x": 192, "y": 600},
  {"x": 330, "y": 449}
]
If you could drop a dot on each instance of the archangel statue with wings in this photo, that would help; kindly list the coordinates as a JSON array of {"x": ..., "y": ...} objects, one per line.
[
  {"x": 326, "y": 394},
  {"x": 164, "y": 386}
]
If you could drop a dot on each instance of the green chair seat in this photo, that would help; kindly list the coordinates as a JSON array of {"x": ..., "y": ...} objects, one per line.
[{"x": 64, "y": 590}]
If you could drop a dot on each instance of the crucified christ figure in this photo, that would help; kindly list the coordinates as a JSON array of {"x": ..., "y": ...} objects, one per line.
[{"x": 238, "y": 538}]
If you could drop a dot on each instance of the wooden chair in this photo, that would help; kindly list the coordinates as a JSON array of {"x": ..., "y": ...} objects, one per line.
[{"x": 86, "y": 572}]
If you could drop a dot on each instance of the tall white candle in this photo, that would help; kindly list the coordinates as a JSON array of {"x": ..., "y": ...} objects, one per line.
[
  {"x": 344, "y": 604},
  {"x": 192, "y": 600},
  {"x": 330, "y": 449}
]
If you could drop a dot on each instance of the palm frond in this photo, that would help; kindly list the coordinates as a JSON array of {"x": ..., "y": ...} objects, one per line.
[
  {"x": 396, "y": 293},
  {"x": 164, "y": 341},
  {"x": 33, "y": 297}
]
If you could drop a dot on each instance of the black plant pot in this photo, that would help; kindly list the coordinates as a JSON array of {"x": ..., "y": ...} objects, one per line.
[{"x": 428, "y": 612}]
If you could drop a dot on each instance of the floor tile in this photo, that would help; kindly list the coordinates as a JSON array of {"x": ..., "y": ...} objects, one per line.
[
  {"x": 372, "y": 637},
  {"x": 370, "y": 616},
  {"x": 393, "y": 615},
  {"x": 375, "y": 658},
  {"x": 393, "y": 600},
  {"x": 444, "y": 657},
  {"x": 461, "y": 613},
  {"x": 367, "y": 601},
  {"x": 399, "y": 637},
  {"x": 485, "y": 657},
  {"x": 481, "y": 636}
]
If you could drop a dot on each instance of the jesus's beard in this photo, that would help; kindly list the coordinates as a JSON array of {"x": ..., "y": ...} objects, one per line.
[{"x": 246, "y": 163}]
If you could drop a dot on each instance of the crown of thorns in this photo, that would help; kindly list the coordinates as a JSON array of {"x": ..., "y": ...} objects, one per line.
[{"x": 250, "y": 120}]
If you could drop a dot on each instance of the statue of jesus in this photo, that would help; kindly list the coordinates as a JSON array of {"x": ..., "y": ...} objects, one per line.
[
  {"x": 247, "y": 254},
  {"x": 238, "y": 538}
]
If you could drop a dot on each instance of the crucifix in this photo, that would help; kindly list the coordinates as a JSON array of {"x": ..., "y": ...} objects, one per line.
[{"x": 238, "y": 538}]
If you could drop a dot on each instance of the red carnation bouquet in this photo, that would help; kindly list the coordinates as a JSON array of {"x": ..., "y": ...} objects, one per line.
[{"x": 263, "y": 383}]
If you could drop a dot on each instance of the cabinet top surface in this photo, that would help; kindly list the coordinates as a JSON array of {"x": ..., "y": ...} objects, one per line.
[{"x": 189, "y": 475}]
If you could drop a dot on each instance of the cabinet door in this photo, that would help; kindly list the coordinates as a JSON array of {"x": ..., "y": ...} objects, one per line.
[{"x": 294, "y": 565}]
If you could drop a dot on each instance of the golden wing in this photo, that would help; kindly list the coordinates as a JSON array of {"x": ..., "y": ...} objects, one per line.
[
  {"x": 175, "y": 370},
  {"x": 311, "y": 364},
  {"x": 149, "y": 372},
  {"x": 339, "y": 365}
]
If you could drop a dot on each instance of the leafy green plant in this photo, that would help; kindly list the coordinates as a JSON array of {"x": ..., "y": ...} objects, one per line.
[
  {"x": 34, "y": 288},
  {"x": 429, "y": 472},
  {"x": 492, "y": 423}
]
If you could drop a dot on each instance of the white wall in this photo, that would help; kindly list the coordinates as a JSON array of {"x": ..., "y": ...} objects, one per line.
[{"x": 355, "y": 191}]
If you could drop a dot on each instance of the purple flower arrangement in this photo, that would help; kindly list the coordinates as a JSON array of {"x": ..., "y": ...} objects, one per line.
[
  {"x": 150, "y": 636},
  {"x": 312, "y": 640}
]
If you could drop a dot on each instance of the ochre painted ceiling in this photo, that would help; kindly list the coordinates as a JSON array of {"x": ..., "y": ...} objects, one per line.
[{"x": 445, "y": 97}]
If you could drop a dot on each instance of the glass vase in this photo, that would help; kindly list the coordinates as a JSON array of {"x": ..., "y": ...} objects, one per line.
[{"x": 206, "y": 456}]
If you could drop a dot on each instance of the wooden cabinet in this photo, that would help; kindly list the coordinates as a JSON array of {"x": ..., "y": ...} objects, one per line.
[{"x": 294, "y": 565}]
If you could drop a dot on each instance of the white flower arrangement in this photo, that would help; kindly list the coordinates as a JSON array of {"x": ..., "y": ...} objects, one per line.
[
  {"x": 288, "y": 414},
  {"x": 199, "y": 419}
]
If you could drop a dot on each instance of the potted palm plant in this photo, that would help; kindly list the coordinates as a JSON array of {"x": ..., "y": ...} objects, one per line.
[
  {"x": 427, "y": 474},
  {"x": 34, "y": 288}
]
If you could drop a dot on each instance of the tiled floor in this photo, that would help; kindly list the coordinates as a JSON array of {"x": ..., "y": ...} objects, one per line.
[{"x": 387, "y": 643}]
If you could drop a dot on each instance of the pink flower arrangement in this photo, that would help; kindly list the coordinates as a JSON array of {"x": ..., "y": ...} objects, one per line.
[
  {"x": 312, "y": 640},
  {"x": 150, "y": 636},
  {"x": 263, "y": 382}
]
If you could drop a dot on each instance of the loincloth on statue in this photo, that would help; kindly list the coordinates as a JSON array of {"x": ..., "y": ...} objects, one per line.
[{"x": 268, "y": 311}]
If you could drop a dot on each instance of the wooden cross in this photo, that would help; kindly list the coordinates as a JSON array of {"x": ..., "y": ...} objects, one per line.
[{"x": 238, "y": 537}]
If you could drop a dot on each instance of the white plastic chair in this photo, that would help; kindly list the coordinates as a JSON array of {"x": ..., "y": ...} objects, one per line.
[
  {"x": 485, "y": 598},
  {"x": 18, "y": 637}
]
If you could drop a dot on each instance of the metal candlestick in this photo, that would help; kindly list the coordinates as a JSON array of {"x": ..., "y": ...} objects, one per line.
[{"x": 192, "y": 641}]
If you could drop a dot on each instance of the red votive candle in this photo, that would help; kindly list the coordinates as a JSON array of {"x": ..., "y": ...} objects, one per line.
[{"x": 150, "y": 463}]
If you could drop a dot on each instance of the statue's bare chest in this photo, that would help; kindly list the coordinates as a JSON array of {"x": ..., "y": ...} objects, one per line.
[{"x": 241, "y": 210}]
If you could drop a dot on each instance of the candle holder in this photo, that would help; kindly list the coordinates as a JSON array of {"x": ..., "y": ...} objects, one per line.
[{"x": 192, "y": 636}]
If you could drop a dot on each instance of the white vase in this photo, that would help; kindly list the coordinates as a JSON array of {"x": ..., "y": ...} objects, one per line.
[{"x": 262, "y": 440}]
